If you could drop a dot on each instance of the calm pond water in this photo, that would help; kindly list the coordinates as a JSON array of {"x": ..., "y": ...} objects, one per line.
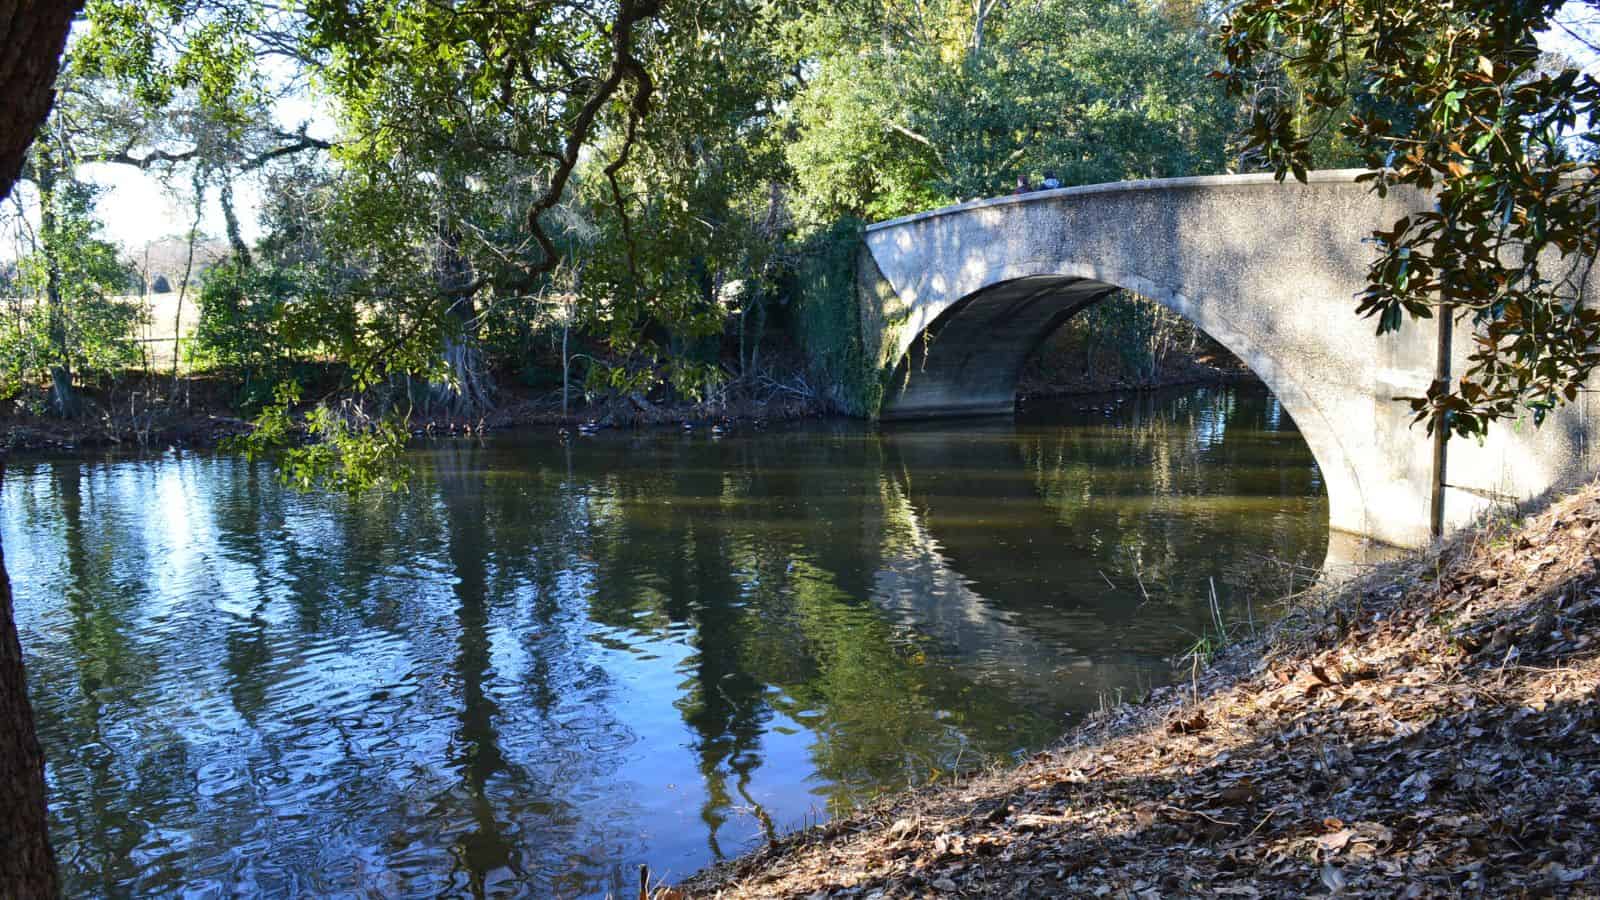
[{"x": 544, "y": 665}]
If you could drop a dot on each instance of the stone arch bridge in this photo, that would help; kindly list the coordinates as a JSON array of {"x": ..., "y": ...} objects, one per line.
[{"x": 954, "y": 300}]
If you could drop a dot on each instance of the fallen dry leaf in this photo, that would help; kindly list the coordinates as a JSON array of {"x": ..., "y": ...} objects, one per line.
[
  {"x": 1401, "y": 765},
  {"x": 1336, "y": 841},
  {"x": 1190, "y": 723}
]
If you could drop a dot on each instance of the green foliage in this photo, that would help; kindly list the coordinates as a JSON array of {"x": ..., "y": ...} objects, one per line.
[
  {"x": 347, "y": 450},
  {"x": 620, "y": 379},
  {"x": 372, "y": 298},
  {"x": 465, "y": 212},
  {"x": 97, "y": 332},
  {"x": 237, "y": 328},
  {"x": 160, "y": 48},
  {"x": 348, "y": 456},
  {"x": 1493, "y": 129},
  {"x": 695, "y": 381},
  {"x": 640, "y": 177},
  {"x": 829, "y": 319},
  {"x": 690, "y": 224},
  {"x": 82, "y": 325},
  {"x": 847, "y": 162},
  {"x": 914, "y": 105}
]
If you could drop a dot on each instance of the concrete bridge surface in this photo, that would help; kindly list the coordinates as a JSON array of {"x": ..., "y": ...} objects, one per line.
[{"x": 957, "y": 298}]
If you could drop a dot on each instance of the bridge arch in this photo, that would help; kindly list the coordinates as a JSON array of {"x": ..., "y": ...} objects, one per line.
[
  {"x": 963, "y": 294},
  {"x": 968, "y": 358}
]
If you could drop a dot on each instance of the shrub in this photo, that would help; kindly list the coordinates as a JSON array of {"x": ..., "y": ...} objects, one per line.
[{"x": 239, "y": 307}]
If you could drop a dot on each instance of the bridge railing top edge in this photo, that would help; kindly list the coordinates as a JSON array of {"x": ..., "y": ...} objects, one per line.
[{"x": 1322, "y": 176}]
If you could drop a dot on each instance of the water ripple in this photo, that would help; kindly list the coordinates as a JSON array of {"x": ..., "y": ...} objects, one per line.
[{"x": 546, "y": 664}]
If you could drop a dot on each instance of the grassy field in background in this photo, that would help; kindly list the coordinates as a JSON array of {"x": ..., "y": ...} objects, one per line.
[
  {"x": 161, "y": 323},
  {"x": 154, "y": 335}
]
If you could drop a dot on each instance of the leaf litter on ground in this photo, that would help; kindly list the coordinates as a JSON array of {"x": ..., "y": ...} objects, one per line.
[{"x": 1431, "y": 728}]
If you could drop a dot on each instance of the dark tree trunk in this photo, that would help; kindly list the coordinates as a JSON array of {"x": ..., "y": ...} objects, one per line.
[
  {"x": 27, "y": 867},
  {"x": 472, "y": 394},
  {"x": 32, "y": 35}
]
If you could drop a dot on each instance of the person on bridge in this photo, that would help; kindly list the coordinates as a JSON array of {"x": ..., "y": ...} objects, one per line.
[
  {"x": 1023, "y": 185},
  {"x": 1051, "y": 182}
]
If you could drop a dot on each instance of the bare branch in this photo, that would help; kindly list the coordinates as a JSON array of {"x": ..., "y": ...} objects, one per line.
[
  {"x": 902, "y": 130},
  {"x": 623, "y": 66}
]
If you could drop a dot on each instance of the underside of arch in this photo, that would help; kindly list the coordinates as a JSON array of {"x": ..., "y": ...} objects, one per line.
[
  {"x": 967, "y": 361},
  {"x": 1266, "y": 269}
]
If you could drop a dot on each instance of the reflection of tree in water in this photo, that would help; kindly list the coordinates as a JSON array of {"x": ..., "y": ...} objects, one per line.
[
  {"x": 444, "y": 686},
  {"x": 673, "y": 555},
  {"x": 1171, "y": 460},
  {"x": 515, "y": 542},
  {"x": 126, "y": 754},
  {"x": 245, "y": 519},
  {"x": 91, "y": 785},
  {"x": 309, "y": 589},
  {"x": 759, "y": 565},
  {"x": 476, "y": 747},
  {"x": 1180, "y": 490}
]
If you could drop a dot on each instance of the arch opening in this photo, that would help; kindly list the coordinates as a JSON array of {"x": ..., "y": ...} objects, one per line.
[
  {"x": 969, "y": 356},
  {"x": 1125, "y": 342}
]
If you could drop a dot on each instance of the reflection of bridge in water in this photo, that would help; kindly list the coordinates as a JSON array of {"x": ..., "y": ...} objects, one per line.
[
  {"x": 923, "y": 592},
  {"x": 1065, "y": 558},
  {"x": 967, "y": 567}
]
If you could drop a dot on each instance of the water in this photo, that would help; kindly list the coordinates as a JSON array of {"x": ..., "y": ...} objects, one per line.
[{"x": 544, "y": 665}]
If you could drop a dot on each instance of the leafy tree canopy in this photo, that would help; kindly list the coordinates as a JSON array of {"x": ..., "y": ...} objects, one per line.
[
  {"x": 909, "y": 105},
  {"x": 82, "y": 326},
  {"x": 1505, "y": 137}
]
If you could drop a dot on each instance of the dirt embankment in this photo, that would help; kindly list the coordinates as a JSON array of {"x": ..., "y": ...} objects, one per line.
[
  {"x": 1430, "y": 729},
  {"x": 199, "y": 412},
  {"x": 1044, "y": 376},
  {"x": 132, "y": 412}
]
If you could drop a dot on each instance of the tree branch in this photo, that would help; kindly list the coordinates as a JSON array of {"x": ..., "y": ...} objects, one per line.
[
  {"x": 637, "y": 110},
  {"x": 297, "y": 143},
  {"x": 902, "y": 130},
  {"x": 623, "y": 65},
  {"x": 301, "y": 144},
  {"x": 124, "y": 157}
]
